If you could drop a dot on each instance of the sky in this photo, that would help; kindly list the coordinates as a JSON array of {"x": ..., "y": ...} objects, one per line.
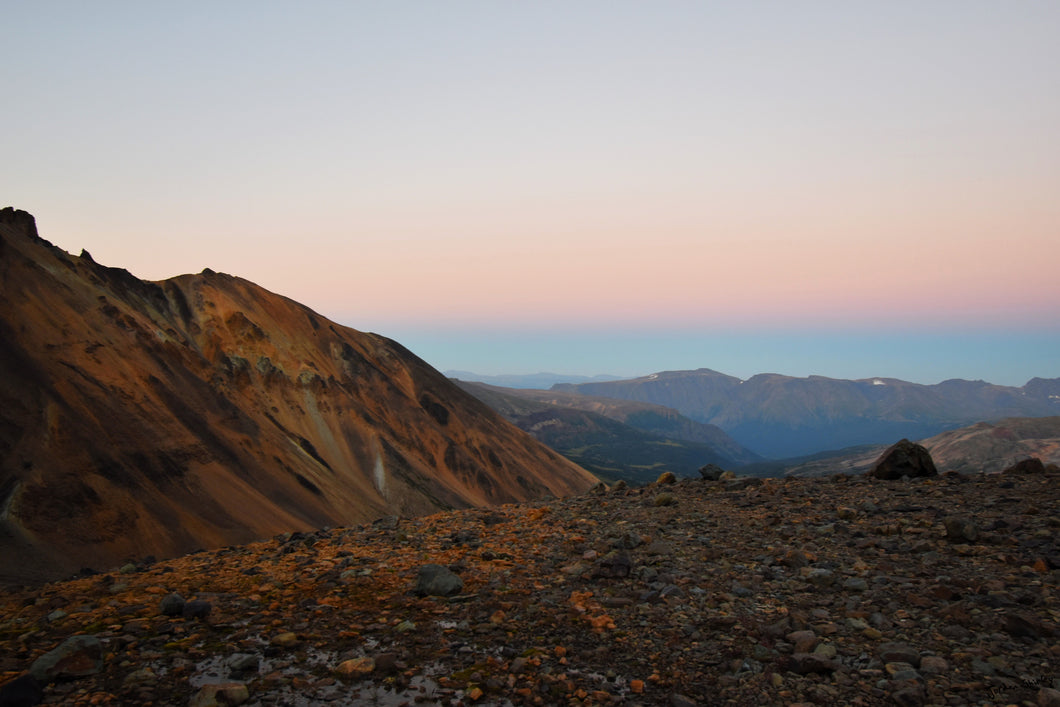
[{"x": 841, "y": 188}]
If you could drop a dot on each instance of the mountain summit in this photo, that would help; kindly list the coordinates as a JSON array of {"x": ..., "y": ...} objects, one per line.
[{"x": 154, "y": 418}]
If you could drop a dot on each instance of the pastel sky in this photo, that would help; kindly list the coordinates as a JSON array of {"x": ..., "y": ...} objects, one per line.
[{"x": 842, "y": 188}]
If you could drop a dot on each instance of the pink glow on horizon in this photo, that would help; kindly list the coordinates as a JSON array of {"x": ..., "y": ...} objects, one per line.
[{"x": 620, "y": 164}]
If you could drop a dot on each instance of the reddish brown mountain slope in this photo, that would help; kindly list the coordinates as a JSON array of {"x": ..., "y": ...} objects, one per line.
[{"x": 143, "y": 418}]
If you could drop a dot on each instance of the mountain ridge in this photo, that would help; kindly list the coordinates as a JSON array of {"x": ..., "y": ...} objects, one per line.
[
  {"x": 783, "y": 416},
  {"x": 540, "y": 380},
  {"x": 153, "y": 418}
]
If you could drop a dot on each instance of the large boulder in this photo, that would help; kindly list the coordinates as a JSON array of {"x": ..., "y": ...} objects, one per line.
[
  {"x": 435, "y": 580},
  {"x": 77, "y": 656},
  {"x": 904, "y": 459},
  {"x": 711, "y": 472}
]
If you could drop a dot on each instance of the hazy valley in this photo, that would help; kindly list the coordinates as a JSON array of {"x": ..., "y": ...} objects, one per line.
[{"x": 615, "y": 439}]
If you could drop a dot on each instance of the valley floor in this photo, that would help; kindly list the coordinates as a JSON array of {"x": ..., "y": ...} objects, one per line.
[{"x": 842, "y": 590}]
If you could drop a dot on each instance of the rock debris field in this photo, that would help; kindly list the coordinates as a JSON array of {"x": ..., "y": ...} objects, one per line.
[{"x": 838, "y": 590}]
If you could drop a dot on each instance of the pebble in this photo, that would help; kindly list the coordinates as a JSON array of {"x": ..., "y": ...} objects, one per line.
[
  {"x": 284, "y": 640},
  {"x": 356, "y": 667}
]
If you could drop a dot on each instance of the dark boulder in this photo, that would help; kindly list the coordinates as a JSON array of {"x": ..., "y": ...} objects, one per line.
[
  {"x": 23, "y": 691},
  {"x": 1027, "y": 466},
  {"x": 172, "y": 605},
  {"x": 711, "y": 472},
  {"x": 435, "y": 580},
  {"x": 960, "y": 529},
  {"x": 904, "y": 459},
  {"x": 196, "y": 609}
]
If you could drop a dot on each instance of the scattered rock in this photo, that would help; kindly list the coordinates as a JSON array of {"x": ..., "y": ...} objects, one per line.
[
  {"x": 910, "y": 694},
  {"x": 616, "y": 564},
  {"x": 1032, "y": 465},
  {"x": 899, "y": 653},
  {"x": 807, "y": 663},
  {"x": 959, "y": 529},
  {"x": 144, "y": 677},
  {"x": 804, "y": 641},
  {"x": 387, "y": 663},
  {"x": 196, "y": 609},
  {"x": 243, "y": 663},
  {"x": 286, "y": 639},
  {"x": 221, "y": 695},
  {"x": 1019, "y": 625},
  {"x": 711, "y": 472},
  {"x": 172, "y": 605},
  {"x": 664, "y": 499},
  {"x": 933, "y": 664},
  {"x": 23, "y": 691},
  {"x": 1048, "y": 697},
  {"x": 818, "y": 576},
  {"x": 356, "y": 667},
  {"x": 666, "y": 478},
  {"x": 387, "y": 523},
  {"x": 846, "y": 513},
  {"x": 856, "y": 584},
  {"x": 904, "y": 458},
  {"x": 435, "y": 580},
  {"x": 77, "y": 656}
]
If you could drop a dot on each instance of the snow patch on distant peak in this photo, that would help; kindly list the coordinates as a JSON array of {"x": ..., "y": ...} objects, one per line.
[
  {"x": 653, "y": 376},
  {"x": 877, "y": 381}
]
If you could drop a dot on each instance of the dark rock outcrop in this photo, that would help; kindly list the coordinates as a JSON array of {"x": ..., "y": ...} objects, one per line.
[
  {"x": 1033, "y": 465},
  {"x": 904, "y": 458}
]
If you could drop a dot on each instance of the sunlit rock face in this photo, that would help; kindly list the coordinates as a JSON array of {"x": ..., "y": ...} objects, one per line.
[{"x": 154, "y": 418}]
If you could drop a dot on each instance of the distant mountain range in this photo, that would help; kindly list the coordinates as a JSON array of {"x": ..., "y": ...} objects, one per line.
[
  {"x": 530, "y": 380},
  {"x": 615, "y": 439},
  {"x": 154, "y": 418},
  {"x": 782, "y": 417}
]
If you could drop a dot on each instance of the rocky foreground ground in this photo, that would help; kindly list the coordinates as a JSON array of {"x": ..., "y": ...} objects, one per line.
[{"x": 842, "y": 590}]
